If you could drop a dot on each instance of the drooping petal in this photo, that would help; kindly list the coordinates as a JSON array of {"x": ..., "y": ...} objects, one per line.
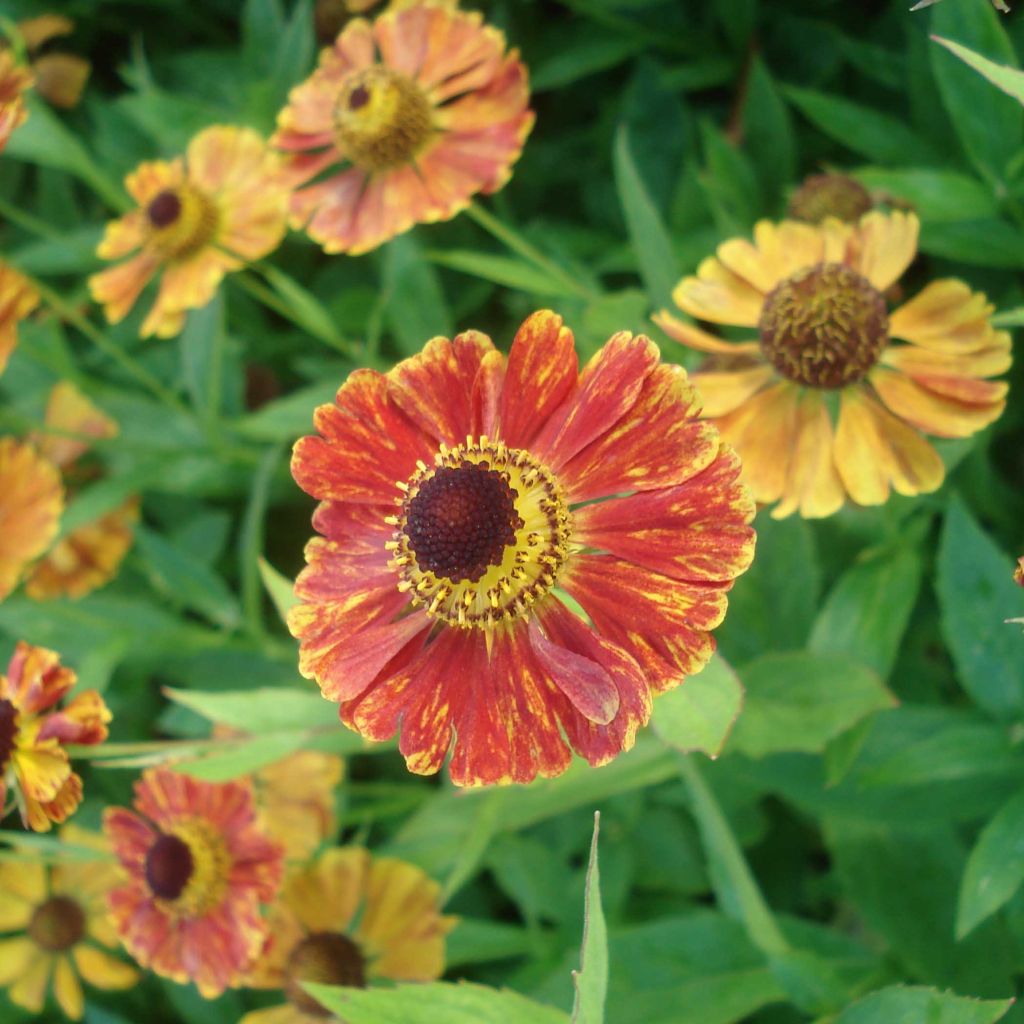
[
  {"x": 948, "y": 317},
  {"x": 925, "y": 363},
  {"x": 117, "y": 288},
  {"x": 719, "y": 296},
  {"x": 695, "y": 531},
  {"x": 29, "y": 990},
  {"x": 186, "y": 284},
  {"x": 702, "y": 341}
]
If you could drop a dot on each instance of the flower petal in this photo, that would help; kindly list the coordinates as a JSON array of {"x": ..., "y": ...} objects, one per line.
[
  {"x": 117, "y": 288},
  {"x": 698, "y": 530},
  {"x": 29, "y": 990},
  {"x": 16, "y": 957},
  {"x": 873, "y": 449},
  {"x": 67, "y": 989},
  {"x": 103, "y": 970},
  {"x": 22, "y": 889},
  {"x": 725, "y": 391},
  {"x": 921, "y": 362},
  {"x": 541, "y": 372},
  {"x": 886, "y": 244},
  {"x": 947, "y": 316},
  {"x": 719, "y": 296},
  {"x": 325, "y": 895},
  {"x": 702, "y": 341}
]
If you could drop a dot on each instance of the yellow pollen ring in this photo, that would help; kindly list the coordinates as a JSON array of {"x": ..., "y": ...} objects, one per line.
[
  {"x": 381, "y": 119},
  {"x": 211, "y": 865},
  {"x": 529, "y": 566}
]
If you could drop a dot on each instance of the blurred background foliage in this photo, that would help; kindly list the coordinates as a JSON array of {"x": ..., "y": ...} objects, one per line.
[{"x": 880, "y": 741}]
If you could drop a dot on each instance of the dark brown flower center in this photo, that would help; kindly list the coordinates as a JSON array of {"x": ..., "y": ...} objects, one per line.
[
  {"x": 8, "y": 732},
  {"x": 382, "y": 119},
  {"x": 326, "y": 958},
  {"x": 830, "y": 195},
  {"x": 169, "y": 867},
  {"x": 57, "y": 924},
  {"x": 824, "y": 327},
  {"x": 164, "y": 210},
  {"x": 461, "y": 521}
]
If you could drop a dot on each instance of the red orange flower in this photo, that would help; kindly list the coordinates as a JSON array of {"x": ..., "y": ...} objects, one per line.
[
  {"x": 31, "y": 503},
  {"x": 198, "y": 869},
  {"x": 14, "y": 80},
  {"x": 347, "y": 919},
  {"x": 61, "y": 915},
  {"x": 437, "y": 604},
  {"x": 59, "y": 77},
  {"x": 89, "y": 555},
  {"x": 17, "y": 299},
  {"x": 815, "y": 296},
  {"x": 198, "y": 219},
  {"x": 33, "y": 762},
  {"x": 423, "y": 109}
]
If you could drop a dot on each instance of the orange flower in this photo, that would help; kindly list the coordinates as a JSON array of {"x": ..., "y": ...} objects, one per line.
[
  {"x": 17, "y": 299},
  {"x": 347, "y": 919},
  {"x": 815, "y": 296},
  {"x": 1018, "y": 573},
  {"x": 31, "y": 503},
  {"x": 440, "y": 604},
  {"x": 90, "y": 555},
  {"x": 14, "y": 80},
  {"x": 424, "y": 108},
  {"x": 198, "y": 869},
  {"x": 198, "y": 219},
  {"x": 32, "y": 761},
  {"x": 59, "y": 77},
  {"x": 61, "y": 916}
]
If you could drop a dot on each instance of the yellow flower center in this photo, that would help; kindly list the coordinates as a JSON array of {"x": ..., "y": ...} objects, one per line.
[
  {"x": 830, "y": 195},
  {"x": 8, "y": 732},
  {"x": 481, "y": 535},
  {"x": 326, "y": 958},
  {"x": 182, "y": 220},
  {"x": 57, "y": 924},
  {"x": 187, "y": 868},
  {"x": 824, "y": 327},
  {"x": 381, "y": 119}
]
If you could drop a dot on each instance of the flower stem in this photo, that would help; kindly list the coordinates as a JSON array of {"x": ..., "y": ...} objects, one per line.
[
  {"x": 731, "y": 877},
  {"x": 515, "y": 242}
]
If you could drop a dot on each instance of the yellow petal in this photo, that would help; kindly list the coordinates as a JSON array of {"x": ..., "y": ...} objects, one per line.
[
  {"x": 947, "y": 316},
  {"x": 813, "y": 486},
  {"x": 931, "y": 412},
  {"x": 16, "y": 956},
  {"x": 886, "y": 245},
  {"x": 720, "y": 393},
  {"x": 22, "y": 889},
  {"x": 42, "y": 770},
  {"x": 789, "y": 246},
  {"x": 101, "y": 969},
  {"x": 325, "y": 896},
  {"x": 694, "y": 337},
  {"x": 68, "y": 989},
  {"x": 917, "y": 361},
  {"x": 286, "y": 1014},
  {"x": 718, "y": 295},
  {"x": 29, "y": 991}
]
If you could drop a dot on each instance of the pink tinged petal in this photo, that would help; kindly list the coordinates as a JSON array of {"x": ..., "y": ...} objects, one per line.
[
  {"x": 458, "y": 45},
  {"x": 367, "y": 446},
  {"x": 696, "y": 531},
  {"x": 702, "y": 341},
  {"x": 328, "y": 207},
  {"x": 403, "y": 36},
  {"x": 124, "y": 235},
  {"x": 489, "y": 101},
  {"x": 118, "y": 288},
  {"x": 542, "y": 371},
  {"x": 940, "y": 414},
  {"x": 608, "y": 388},
  {"x": 657, "y": 443},
  {"x": 886, "y": 246},
  {"x": 588, "y": 686},
  {"x": 488, "y": 388},
  {"x": 435, "y": 388},
  {"x": 130, "y": 836}
]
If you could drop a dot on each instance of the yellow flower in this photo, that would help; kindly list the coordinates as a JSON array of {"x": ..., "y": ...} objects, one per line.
[
  {"x": 14, "y": 80},
  {"x": 90, "y": 555},
  {"x": 61, "y": 920},
  {"x": 347, "y": 919},
  {"x": 826, "y": 340},
  {"x": 17, "y": 299},
  {"x": 31, "y": 503},
  {"x": 199, "y": 218}
]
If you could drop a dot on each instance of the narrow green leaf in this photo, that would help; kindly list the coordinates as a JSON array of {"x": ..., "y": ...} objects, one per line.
[
  {"x": 654, "y": 253},
  {"x": 202, "y": 349},
  {"x": 243, "y": 757},
  {"x": 1009, "y": 318},
  {"x": 768, "y": 132},
  {"x": 1010, "y": 80},
  {"x": 985, "y": 242},
  {"x": 416, "y": 309},
  {"x": 591, "y": 980},
  {"x": 288, "y": 418},
  {"x": 309, "y": 312},
  {"x": 976, "y": 593},
  {"x": 440, "y": 1001},
  {"x": 699, "y": 714},
  {"x": 279, "y": 587},
  {"x": 936, "y": 194},
  {"x": 902, "y": 1005},
  {"x": 266, "y": 709},
  {"x": 504, "y": 270},
  {"x": 801, "y": 700},
  {"x": 995, "y": 867}
]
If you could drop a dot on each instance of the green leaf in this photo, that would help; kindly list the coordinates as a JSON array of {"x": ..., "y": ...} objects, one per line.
[
  {"x": 995, "y": 867},
  {"x": 504, "y": 270},
  {"x": 866, "y": 614},
  {"x": 279, "y": 587},
  {"x": 901, "y": 1005},
  {"x": 801, "y": 700},
  {"x": 728, "y": 181},
  {"x": 976, "y": 593},
  {"x": 810, "y": 981},
  {"x": 768, "y": 132},
  {"x": 416, "y": 310},
  {"x": 307, "y": 310},
  {"x": 265, "y": 709},
  {"x": 699, "y": 714},
  {"x": 936, "y": 194},
  {"x": 861, "y": 129},
  {"x": 1010, "y": 80},
  {"x": 1009, "y": 318},
  {"x": 651, "y": 243},
  {"x": 202, "y": 350},
  {"x": 450, "y": 1002},
  {"x": 990, "y": 126},
  {"x": 243, "y": 756},
  {"x": 186, "y": 580},
  {"x": 73, "y": 252},
  {"x": 984, "y": 243},
  {"x": 288, "y": 418},
  {"x": 591, "y": 980}
]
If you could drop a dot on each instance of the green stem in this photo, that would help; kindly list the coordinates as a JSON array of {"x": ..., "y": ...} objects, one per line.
[
  {"x": 250, "y": 541},
  {"x": 28, "y": 222},
  {"x": 731, "y": 876},
  {"x": 515, "y": 242}
]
